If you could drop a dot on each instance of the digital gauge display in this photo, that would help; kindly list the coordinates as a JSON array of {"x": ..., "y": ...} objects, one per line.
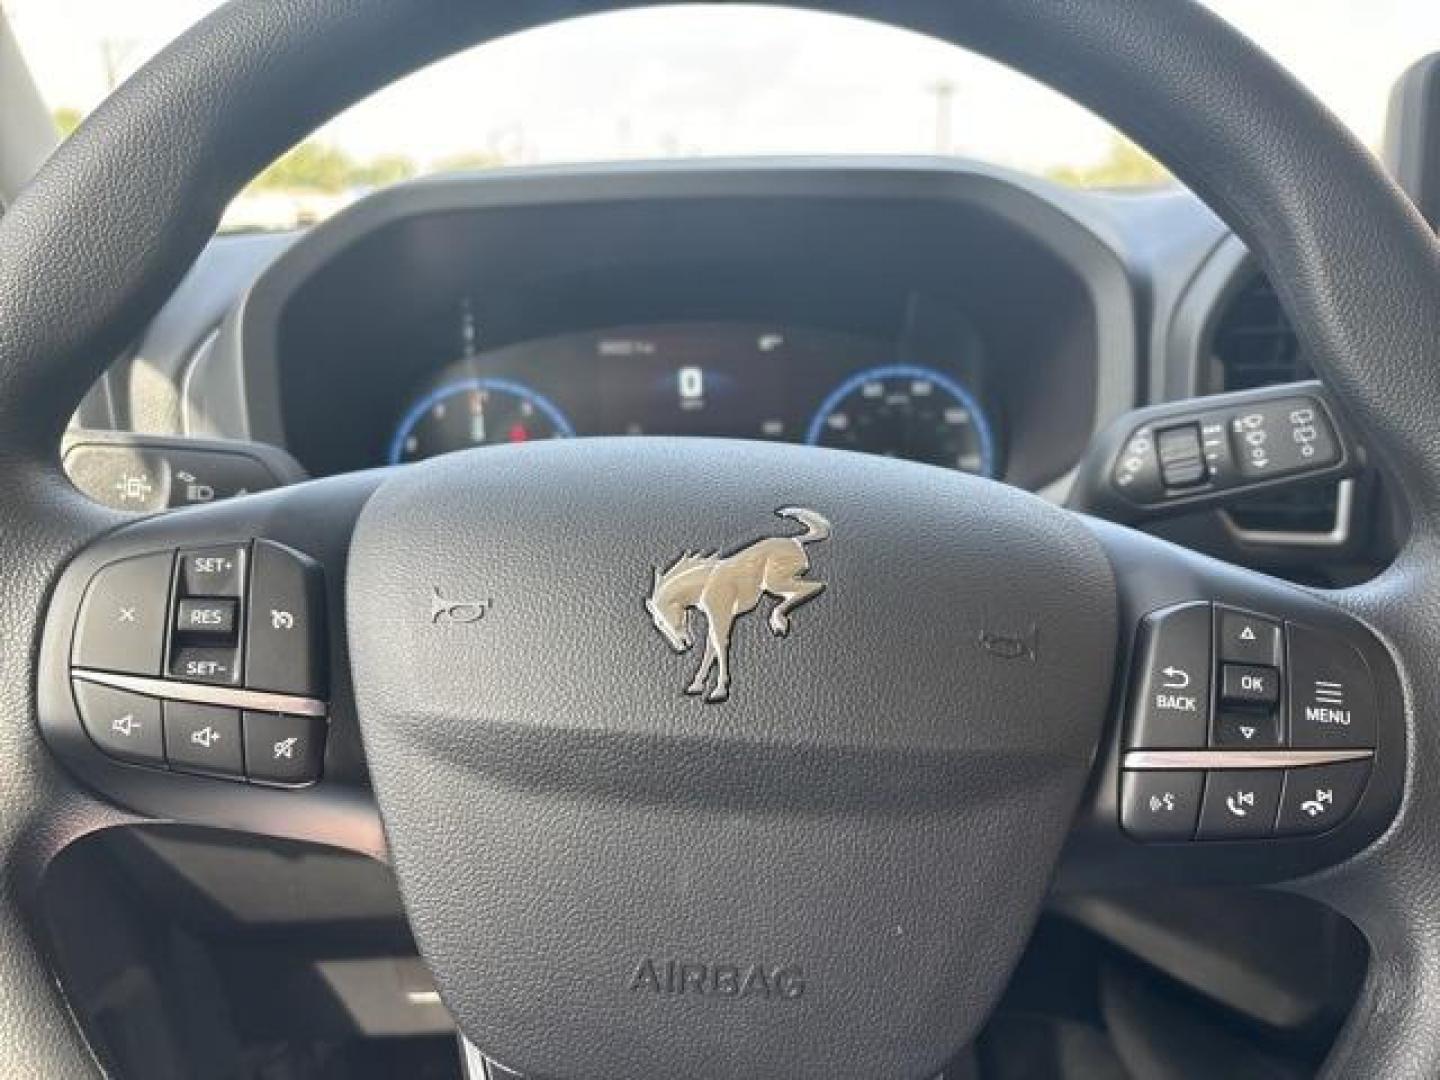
[{"x": 751, "y": 381}]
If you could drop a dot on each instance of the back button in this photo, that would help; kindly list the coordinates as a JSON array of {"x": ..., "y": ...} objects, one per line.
[{"x": 1171, "y": 704}]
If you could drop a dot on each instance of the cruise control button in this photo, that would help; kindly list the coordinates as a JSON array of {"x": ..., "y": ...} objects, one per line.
[
  {"x": 206, "y": 620},
  {"x": 1160, "y": 805},
  {"x": 203, "y": 739},
  {"x": 285, "y": 632},
  {"x": 122, "y": 724},
  {"x": 1249, "y": 684},
  {"x": 283, "y": 749},
  {"x": 122, "y": 618},
  {"x": 199, "y": 664},
  {"x": 1320, "y": 797},
  {"x": 1259, "y": 731},
  {"x": 1172, "y": 693},
  {"x": 1332, "y": 699},
  {"x": 216, "y": 572},
  {"x": 1239, "y": 804},
  {"x": 1247, "y": 639}
]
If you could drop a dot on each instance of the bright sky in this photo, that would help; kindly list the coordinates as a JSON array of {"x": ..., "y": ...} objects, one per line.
[{"x": 736, "y": 80}]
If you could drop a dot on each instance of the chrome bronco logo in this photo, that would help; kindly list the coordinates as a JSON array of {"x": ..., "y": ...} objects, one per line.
[{"x": 724, "y": 587}]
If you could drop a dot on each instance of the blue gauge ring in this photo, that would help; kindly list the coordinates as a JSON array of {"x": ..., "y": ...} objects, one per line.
[
  {"x": 563, "y": 428},
  {"x": 978, "y": 419}
]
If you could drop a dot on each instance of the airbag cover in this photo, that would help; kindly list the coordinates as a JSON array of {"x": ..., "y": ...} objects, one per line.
[{"x": 832, "y": 871}]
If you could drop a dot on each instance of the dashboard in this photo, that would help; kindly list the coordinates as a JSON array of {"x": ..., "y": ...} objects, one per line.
[
  {"x": 944, "y": 312},
  {"x": 948, "y": 317},
  {"x": 757, "y": 381}
]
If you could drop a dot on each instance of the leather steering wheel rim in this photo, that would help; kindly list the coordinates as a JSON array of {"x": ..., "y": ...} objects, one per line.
[{"x": 113, "y": 220}]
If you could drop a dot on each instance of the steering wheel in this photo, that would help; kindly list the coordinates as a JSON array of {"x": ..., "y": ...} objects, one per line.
[{"x": 825, "y": 860}]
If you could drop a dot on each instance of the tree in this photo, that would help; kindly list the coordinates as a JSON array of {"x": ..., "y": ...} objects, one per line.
[
  {"x": 67, "y": 120},
  {"x": 1126, "y": 165},
  {"x": 383, "y": 171},
  {"x": 309, "y": 166},
  {"x": 315, "y": 166},
  {"x": 470, "y": 161}
]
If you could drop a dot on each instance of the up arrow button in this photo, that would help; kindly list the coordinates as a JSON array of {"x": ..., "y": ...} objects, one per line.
[
  {"x": 1247, "y": 639},
  {"x": 1170, "y": 701}
]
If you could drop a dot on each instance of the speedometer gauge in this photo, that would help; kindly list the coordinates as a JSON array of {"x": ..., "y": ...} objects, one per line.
[
  {"x": 910, "y": 412},
  {"x": 475, "y": 412}
]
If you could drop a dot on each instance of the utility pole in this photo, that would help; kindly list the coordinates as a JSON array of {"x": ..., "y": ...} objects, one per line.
[
  {"x": 113, "y": 54},
  {"x": 943, "y": 90}
]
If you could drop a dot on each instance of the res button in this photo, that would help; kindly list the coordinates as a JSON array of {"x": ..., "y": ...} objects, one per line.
[{"x": 206, "y": 620}]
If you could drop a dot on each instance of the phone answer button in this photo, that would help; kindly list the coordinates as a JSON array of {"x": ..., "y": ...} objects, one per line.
[{"x": 1239, "y": 804}]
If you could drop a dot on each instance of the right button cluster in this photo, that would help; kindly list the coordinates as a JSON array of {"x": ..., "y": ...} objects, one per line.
[{"x": 1244, "y": 726}]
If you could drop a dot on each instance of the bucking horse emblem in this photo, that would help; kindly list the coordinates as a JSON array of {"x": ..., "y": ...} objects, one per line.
[{"x": 724, "y": 587}]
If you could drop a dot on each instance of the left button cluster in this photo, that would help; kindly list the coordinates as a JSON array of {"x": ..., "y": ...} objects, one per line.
[{"x": 168, "y": 670}]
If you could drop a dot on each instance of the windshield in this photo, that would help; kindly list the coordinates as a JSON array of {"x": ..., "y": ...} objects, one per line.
[{"x": 684, "y": 82}]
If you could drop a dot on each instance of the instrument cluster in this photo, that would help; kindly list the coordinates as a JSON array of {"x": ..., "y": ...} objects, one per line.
[{"x": 728, "y": 379}]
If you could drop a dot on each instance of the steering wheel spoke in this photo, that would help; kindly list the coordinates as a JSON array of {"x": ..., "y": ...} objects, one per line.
[
  {"x": 1258, "y": 729},
  {"x": 193, "y": 668}
]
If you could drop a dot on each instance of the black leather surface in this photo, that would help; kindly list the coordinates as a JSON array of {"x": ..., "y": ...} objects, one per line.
[{"x": 110, "y": 224}]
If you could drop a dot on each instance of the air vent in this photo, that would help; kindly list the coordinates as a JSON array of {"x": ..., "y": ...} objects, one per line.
[{"x": 1254, "y": 346}]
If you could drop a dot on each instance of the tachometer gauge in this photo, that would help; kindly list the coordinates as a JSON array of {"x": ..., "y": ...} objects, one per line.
[
  {"x": 910, "y": 412},
  {"x": 475, "y": 412}
]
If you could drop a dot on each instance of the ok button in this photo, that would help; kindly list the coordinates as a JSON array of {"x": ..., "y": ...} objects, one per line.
[{"x": 1249, "y": 684}]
